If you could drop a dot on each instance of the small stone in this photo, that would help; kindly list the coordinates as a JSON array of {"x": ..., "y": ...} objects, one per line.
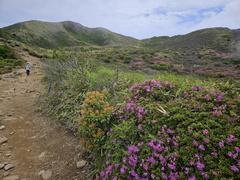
[
  {"x": 45, "y": 175},
  {"x": 2, "y": 127},
  {"x": 81, "y": 164},
  {"x": 10, "y": 118},
  {"x": 6, "y": 174},
  {"x": 2, "y": 165},
  {"x": 8, "y": 166},
  {"x": 11, "y": 178},
  {"x": 3, "y": 139},
  {"x": 42, "y": 155}
]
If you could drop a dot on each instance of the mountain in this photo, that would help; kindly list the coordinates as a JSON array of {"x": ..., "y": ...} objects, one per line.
[
  {"x": 68, "y": 33},
  {"x": 62, "y": 34},
  {"x": 222, "y": 39}
]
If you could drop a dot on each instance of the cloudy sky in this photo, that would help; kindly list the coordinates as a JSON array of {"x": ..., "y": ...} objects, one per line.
[{"x": 136, "y": 18}]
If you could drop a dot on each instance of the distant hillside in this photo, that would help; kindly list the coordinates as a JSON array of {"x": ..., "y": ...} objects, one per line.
[
  {"x": 222, "y": 39},
  {"x": 68, "y": 33},
  {"x": 62, "y": 34}
]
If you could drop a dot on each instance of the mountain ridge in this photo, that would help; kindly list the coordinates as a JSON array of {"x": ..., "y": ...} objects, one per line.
[
  {"x": 69, "y": 33},
  {"x": 62, "y": 34}
]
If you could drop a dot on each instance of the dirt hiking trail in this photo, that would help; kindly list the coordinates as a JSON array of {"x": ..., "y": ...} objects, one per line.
[{"x": 32, "y": 147}]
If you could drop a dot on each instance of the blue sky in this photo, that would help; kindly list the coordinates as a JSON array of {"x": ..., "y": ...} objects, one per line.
[{"x": 136, "y": 18}]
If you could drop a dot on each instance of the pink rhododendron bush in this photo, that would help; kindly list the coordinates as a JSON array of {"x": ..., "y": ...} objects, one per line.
[{"x": 167, "y": 132}]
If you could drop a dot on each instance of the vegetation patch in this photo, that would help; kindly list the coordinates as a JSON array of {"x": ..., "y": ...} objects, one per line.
[
  {"x": 9, "y": 60},
  {"x": 164, "y": 132}
]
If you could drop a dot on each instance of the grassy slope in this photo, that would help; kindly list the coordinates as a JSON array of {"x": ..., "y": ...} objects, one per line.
[
  {"x": 67, "y": 33},
  {"x": 222, "y": 39}
]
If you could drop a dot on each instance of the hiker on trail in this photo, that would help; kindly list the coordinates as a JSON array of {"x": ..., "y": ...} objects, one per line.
[{"x": 27, "y": 67}]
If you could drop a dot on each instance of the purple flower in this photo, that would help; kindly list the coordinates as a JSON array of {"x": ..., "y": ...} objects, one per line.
[
  {"x": 151, "y": 160},
  {"x": 124, "y": 167},
  {"x": 115, "y": 178},
  {"x": 122, "y": 171},
  {"x": 238, "y": 163},
  {"x": 102, "y": 173},
  {"x": 234, "y": 168},
  {"x": 214, "y": 154},
  {"x": 192, "y": 178},
  {"x": 153, "y": 176},
  {"x": 199, "y": 106},
  {"x": 145, "y": 174},
  {"x": 133, "y": 173},
  {"x": 219, "y": 98},
  {"x": 205, "y": 131},
  {"x": 170, "y": 166},
  {"x": 201, "y": 147},
  {"x": 230, "y": 139},
  {"x": 124, "y": 159},
  {"x": 154, "y": 121},
  {"x": 133, "y": 160},
  {"x": 205, "y": 175},
  {"x": 191, "y": 162},
  {"x": 132, "y": 148},
  {"x": 230, "y": 154},
  {"x": 139, "y": 116},
  {"x": 207, "y": 97},
  {"x": 145, "y": 167},
  {"x": 221, "y": 144},
  {"x": 194, "y": 88},
  {"x": 141, "y": 143},
  {"x": 175, "y": 144},
  {"x": 232, "y": 120},
  {"x": 109, "y": 155},
  {"x": 206, "y": 140},
  {"x": 200, "y": 166},
  {"x": 195, "y": 143},
  {"x": 235, "y": 155},
  {"x": 116, "y": 165},
  {"x": 170, "y": 131},
  {"x": 165, "y": 177},
  {"x": 237, "y": 149},
  {"x": 139, "y": 126}
]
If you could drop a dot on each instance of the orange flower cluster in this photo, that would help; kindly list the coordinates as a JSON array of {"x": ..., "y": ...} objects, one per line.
[
  {"x": 99, "y": 133},
  {"x": 94, "y": 113},
  {"x": 88, "y": 145},
  {"x": 94, "y": 105}
]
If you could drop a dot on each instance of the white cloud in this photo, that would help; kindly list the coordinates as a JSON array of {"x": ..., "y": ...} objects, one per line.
[{"x": 136, "y": 18}]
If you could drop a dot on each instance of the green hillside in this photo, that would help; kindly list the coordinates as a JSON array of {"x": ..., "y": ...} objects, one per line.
[
  {"x": 222, "y": 39},
  {"x": 68, "y": 33},
  {"x": 62, "y": 34}
]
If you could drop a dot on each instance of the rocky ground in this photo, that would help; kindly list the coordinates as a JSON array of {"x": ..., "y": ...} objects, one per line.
[{"x": 32, "y": 147}]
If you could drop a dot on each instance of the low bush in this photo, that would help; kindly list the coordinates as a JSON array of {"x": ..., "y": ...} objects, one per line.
[
  {"x": 95, "y": 120},
  {"x": 166, "y": 132}
]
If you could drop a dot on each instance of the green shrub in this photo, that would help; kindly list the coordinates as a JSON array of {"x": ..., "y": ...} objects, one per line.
[
  {"x": 7, "y": 52},
  {"x": 107, "y": 60},
  {"x": 128, "y": 57},
  {"x": 165, "y": 132}
]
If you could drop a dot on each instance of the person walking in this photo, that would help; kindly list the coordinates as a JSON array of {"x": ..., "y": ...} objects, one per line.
[{"x": 27, "y": 67}]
